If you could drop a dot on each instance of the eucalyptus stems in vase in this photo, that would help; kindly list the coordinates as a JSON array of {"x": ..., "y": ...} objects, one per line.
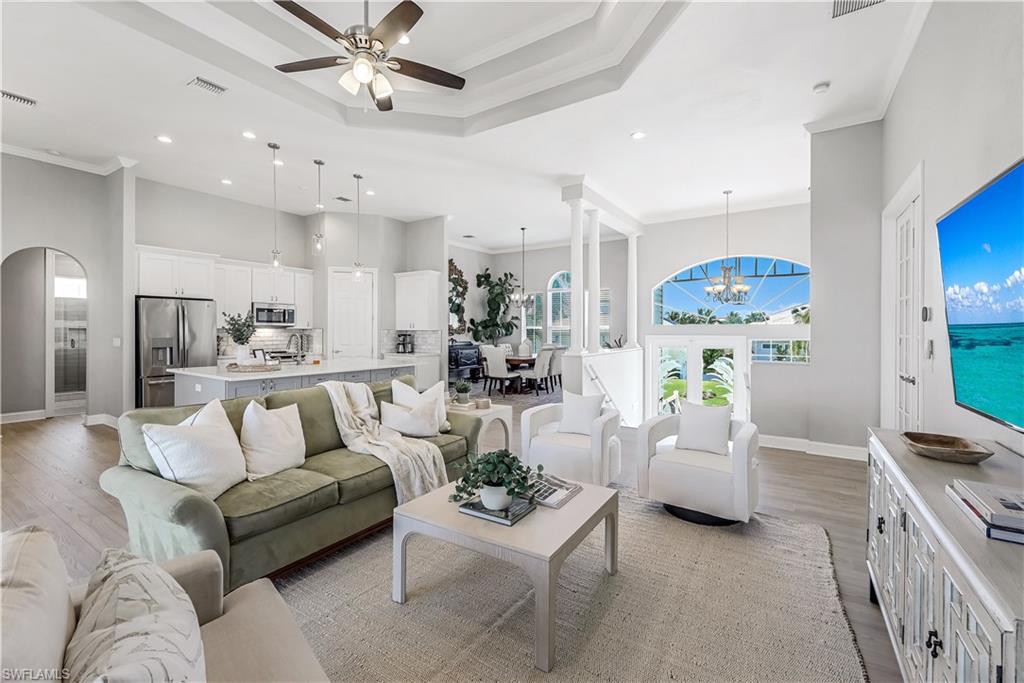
[{"x": 240, "y": 329}]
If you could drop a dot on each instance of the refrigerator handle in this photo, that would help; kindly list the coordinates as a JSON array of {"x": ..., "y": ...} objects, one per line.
[
  {"x": 181, "y": 336},
  {"x": 184, "y": 336}
]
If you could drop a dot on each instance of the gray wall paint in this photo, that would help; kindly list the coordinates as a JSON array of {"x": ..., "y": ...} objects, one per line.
[
  {"x": 173, "y": 217},
  {"x": 426, "y": 248},
  {"x": 51, "y": 206},
  {"x": 846, "y": 208},
  {"x": 958, "y": 109},
  {"x": 23, "y": 331}
]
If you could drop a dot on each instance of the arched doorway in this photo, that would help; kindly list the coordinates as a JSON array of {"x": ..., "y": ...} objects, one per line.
[{"x": 44, "y": 341}]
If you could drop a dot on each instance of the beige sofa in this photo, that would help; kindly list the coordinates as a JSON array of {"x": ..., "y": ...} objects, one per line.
[{"x": 248, "y": 635}]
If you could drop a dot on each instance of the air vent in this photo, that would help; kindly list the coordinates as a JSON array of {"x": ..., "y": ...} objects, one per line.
[
  {"x": 20, "y": 99},
  {"x": 343, "y": 199},
  {"x": 841, "y": 7},
  {"x": 208, "y": 86}
]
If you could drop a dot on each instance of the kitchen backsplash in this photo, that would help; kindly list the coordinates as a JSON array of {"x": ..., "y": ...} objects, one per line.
[
  {"x": 272, "y": 339},
  {"x": 426, "y": 341}
]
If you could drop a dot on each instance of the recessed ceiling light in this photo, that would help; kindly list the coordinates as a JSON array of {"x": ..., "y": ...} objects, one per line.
[
  {"x": 370, "y": 193},
  {"x": 319, "y": 206},
  {"x": 404, "y": 40},
  {"x": 248, "y": 135},
  {"x": 55, "y": 152},
  {"x": 638, "y": 135},
  {"x": 278, "y": 162},
  {"x": 225, "y": 181},
  {"x": 469, "y": 237},
  {"x": 822, "y": 88},
  {"x": 166, "y": 139}
]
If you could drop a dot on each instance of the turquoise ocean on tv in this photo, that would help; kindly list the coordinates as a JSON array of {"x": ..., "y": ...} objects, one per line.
[{"x": 988, "y": 368}]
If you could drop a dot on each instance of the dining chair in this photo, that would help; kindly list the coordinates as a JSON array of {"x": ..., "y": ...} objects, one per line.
[
  {"x": 496, "y": 372},
  {"x": 525, "y": 349},
  {"x": 556, "y": 365},
  {"x": 507, "y": 348},
  {"x": 540, "y": 371}
]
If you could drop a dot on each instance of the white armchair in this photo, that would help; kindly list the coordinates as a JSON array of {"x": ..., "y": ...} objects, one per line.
[
  {"x": 720, "y": 489},
  {"x": 594, "y": 458}
]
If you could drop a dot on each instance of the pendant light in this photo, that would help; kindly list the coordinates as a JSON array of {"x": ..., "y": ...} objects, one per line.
[
  {"x": 519, "y": 296},
  {"x": 318, "y": 238},
  {"x": 357, "y": 266},
  {"x": 275, "y": 254},
  {"x": 729, "y": 287}
]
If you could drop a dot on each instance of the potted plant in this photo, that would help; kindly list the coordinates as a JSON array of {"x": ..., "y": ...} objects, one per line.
[
  {"x": 498, "y": 476},
  {"x": 240, "y": 328},
  {"x": 462, "y": 388},
  {"x": 498, "y": 322}
]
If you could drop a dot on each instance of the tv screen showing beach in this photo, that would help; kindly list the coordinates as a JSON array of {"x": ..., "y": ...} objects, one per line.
[{"x": 981, "y": 248}]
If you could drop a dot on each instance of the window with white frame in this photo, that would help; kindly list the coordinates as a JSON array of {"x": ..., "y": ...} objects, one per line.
[
  {"x": 533, "y": 320},
  {"x": 559, "y": 313},
  {"x": 780, "y": 351}
]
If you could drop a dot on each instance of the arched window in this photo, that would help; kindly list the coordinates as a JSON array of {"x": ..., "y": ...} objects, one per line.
[{"x": 775, "y": 292}]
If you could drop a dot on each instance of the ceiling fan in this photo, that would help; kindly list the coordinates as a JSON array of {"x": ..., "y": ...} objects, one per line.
[{"x": 367, "y": 49}]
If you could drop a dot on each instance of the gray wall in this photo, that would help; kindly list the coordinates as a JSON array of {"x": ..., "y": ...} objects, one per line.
[
  {"x": 23, "y": 331},
  {"x": 51, "y": 206},
  {"x": 958, "y": 109},
  {"x": 426, "y": 248},
  {"x": 846, "y": 208},
  {"x": 173, "y": 217}
]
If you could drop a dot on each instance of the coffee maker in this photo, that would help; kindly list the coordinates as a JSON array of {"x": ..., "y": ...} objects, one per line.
[{"x": 404, "y": 343}]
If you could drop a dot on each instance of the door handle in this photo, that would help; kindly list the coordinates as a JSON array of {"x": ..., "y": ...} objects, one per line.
[
  {"x": 912, "y": 381},
  {"x": 152, "y": 382},
  {"x": 881, "y": 524}
]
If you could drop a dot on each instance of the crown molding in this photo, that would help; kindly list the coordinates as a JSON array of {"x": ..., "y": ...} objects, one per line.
[{"x": 103, "y": 169}]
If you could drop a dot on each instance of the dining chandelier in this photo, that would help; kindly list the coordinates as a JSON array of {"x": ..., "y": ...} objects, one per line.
[
  {"x": 519, "y": 295},
  {"x": 730, "y": 287}
]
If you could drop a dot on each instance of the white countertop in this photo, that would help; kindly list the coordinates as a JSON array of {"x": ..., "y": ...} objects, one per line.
[
  {"x": 324, "y": 368},
  {"x": 417, "y": 354}
]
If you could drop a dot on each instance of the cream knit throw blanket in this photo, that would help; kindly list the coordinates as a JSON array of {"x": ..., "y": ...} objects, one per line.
[{"x": 416, "y": 465}]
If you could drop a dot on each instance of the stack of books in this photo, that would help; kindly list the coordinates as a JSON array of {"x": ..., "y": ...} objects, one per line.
[
  {"x": 996, "y": 511},
  {"x": 509, "y": 516}
]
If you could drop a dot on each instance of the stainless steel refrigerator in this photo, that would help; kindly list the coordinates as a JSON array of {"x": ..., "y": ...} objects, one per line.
[{"x": 170, "y": 333}]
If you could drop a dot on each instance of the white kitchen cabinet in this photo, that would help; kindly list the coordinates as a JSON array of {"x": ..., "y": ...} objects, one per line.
[
  {"x": 427, "y": 367},
  {"x": 303, "y": 299},
  {"x": 168, "y": 274},
  {"x": 273, "y": 285},
  {"x": 284, "y": 287},
  {"x": 232, "y": 289},
  {"x": 417, "y": 300}
]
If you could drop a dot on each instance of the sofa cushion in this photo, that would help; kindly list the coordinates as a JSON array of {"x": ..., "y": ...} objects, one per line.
[
  {"x": 252, "y": 507},
  {"x": 36, "y": 612},
  {"x": 359, "y": 475},
  {"x": 133, "y": 444}
]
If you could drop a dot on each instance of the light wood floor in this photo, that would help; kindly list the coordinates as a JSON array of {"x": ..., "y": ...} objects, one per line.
[{"x": 49, "y": 471}]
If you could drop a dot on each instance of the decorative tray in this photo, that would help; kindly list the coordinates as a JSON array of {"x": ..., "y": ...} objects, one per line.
[
  {"x": 235, "y": 367},
  {"x": 945, "y": 448}
]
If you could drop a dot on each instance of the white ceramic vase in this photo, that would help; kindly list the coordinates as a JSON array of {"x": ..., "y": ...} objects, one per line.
[
  {"x": 463, "y": 399},
  {"x": 495, "y": 497},
  {"x": 242, "y": 354}
]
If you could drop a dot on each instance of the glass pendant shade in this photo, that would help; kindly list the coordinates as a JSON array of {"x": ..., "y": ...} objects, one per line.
[
  {"x": 275, "y": 258},
  {"x": 362, "y": 69},
  {"x": 348, "y": 82},
  {"x": 318, "y": 238},
  {"x": 318, "y": 243},
  {"x": 382, "y": 87}
]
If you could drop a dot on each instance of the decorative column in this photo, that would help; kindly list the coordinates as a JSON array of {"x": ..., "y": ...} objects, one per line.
[
  {"x": 576, "y": 274},
  {"x": 594, "y": 281},
  {"x": 632, "y": 338}
]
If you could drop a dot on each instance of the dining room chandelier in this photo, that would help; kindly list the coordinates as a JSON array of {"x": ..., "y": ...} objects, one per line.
[
  {"x": 519, "y": 295},
  {"x": 730, "y": 287}
]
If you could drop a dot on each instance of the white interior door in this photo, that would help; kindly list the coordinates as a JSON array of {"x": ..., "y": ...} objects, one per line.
[
  {"x": 908, "y": 324},
  {"x": 353, "y": 315}
]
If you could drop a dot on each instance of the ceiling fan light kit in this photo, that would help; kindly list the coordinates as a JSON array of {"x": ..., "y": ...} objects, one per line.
[{"x": 367, "y": 51}]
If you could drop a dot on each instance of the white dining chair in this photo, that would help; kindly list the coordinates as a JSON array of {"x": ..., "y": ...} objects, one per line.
[
  {"x": 556, "y": 365},
  {"x": 496, "y": 372},
  {"x": 539, "y": 373}
]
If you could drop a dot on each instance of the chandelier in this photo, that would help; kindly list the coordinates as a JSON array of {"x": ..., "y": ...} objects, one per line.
[
  {"x": 729, "y": 287},
  {"x": 519, "y": 298}
]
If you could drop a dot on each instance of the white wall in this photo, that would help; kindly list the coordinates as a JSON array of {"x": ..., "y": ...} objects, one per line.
[
  {"x": 426, "y": 248},
  {"x": 958, "y": 109}
]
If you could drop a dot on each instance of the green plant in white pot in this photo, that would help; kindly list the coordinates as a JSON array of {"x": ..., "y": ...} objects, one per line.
[
  {"x": 498, "y": 476},
  {"x": 240, "y": 329},
  {"x": 462, "y": 389}
]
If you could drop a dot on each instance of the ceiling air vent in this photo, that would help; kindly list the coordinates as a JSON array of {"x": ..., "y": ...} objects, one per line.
[
  {"x": 841, "y": 7},
  {"x": 20, "y": 99},
  {"x": 208, "y": 86}
]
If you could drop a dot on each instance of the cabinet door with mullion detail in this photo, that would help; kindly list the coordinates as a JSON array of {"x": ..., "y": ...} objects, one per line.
[
  {"x": 895, "y": 547},
  {"x": 920, "y": 621},
  {"x": 970, "y": 649},
  {"x": 876, "y": 518}
]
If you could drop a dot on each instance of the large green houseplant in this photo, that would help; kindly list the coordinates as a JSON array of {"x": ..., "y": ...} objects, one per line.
[
  {"x": 498, "y": 322},
  {"x": 498, "y": 476}
]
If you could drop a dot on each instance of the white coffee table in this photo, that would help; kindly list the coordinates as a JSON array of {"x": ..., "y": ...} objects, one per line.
[
  {"x": 501, "y": 413},
  {"x": 538, "y": 544}
]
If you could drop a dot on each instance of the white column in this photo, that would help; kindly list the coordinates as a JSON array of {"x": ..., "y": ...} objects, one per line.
[
  {"x": 576, "y": 274},
  {"x": 632, "y": 338},
  {"x": 594, "y": 281}
]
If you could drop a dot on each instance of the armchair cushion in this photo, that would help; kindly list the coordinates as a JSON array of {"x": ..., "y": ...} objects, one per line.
[
  {"x": 568, "y": 456},
  {"x": 252, "y": 507},
  {"x": 704, "y": 428},
  {"x": 579, "y": 412},
  {"x": 665, "y": 452}
]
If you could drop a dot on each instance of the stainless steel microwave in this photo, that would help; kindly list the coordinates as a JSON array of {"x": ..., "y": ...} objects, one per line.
[{"x": 273, "y": 315}]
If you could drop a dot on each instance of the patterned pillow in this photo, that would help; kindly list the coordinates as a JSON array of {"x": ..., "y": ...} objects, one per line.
[{"x": 136, "y": 624}]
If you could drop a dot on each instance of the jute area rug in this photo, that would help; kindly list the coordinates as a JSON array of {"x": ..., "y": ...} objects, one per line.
[{"x": 754, "y": 602}]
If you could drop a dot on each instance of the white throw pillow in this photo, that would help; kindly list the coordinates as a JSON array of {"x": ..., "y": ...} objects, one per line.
[
  {"x": 579, "y": 412},
  {"x": 272, "y": 440},
  {"x": 420, "y": 421},
  {"x": 704, "y": 428},
  {"x": 202, "y": 452},
  {"x": 407, "y": 397},
  {"x": 136, "y": 624}
]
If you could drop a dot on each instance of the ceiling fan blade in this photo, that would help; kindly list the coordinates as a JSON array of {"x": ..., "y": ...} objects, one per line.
[
  {"x": 428, "y": 73},
  {"x": 396, "y": 23},
  {"x": 310, "y": 64},
  {"x": 311, "y": 19},
  {"x": 383, "y": 103}
]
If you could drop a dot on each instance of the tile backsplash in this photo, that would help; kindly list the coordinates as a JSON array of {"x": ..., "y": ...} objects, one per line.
[
  {"x": 272, "y": 339},
  {"x": 426, "y": 341}
]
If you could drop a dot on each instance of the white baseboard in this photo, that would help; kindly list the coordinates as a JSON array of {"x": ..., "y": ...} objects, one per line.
[
  {"x": 23, "y": 416},
  {"x": 101, "y": 419},
  {"x": 831, "y": 450}
]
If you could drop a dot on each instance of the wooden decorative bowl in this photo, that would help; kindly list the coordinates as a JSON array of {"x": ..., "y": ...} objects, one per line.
[{"x": 945, "y": 448}]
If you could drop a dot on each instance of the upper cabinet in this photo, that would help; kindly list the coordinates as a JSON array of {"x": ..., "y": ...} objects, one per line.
[
  {"x": 417, "y": 300},
  {"x": 163, "y": 273},
  {"x": 232, "y": 289},
  {"x": 273, "y": 285},
  {"x": 303, "y": 299}
]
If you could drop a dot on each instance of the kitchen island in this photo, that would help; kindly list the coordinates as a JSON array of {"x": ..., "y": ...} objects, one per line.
[{"x": 203, "y": 384}]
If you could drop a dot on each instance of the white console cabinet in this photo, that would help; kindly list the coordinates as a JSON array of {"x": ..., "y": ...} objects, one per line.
[{"x": 952, "y": 600}]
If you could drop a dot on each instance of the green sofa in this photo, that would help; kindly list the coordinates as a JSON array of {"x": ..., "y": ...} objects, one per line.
[{"x": 260, "y": 527}]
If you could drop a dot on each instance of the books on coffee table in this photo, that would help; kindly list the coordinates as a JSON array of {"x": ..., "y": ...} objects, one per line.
[
  {"x": 977, "y": 518},
  {"x": 509, "y": 516},
  {"x": 551, "y": 491}
]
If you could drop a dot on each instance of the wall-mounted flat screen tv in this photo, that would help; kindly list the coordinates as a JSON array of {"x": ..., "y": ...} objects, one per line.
[{"x": 981, "y": 250}]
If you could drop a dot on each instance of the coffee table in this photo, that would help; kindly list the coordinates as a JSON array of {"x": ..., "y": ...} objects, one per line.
[{"x": 538, "y": 544}]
